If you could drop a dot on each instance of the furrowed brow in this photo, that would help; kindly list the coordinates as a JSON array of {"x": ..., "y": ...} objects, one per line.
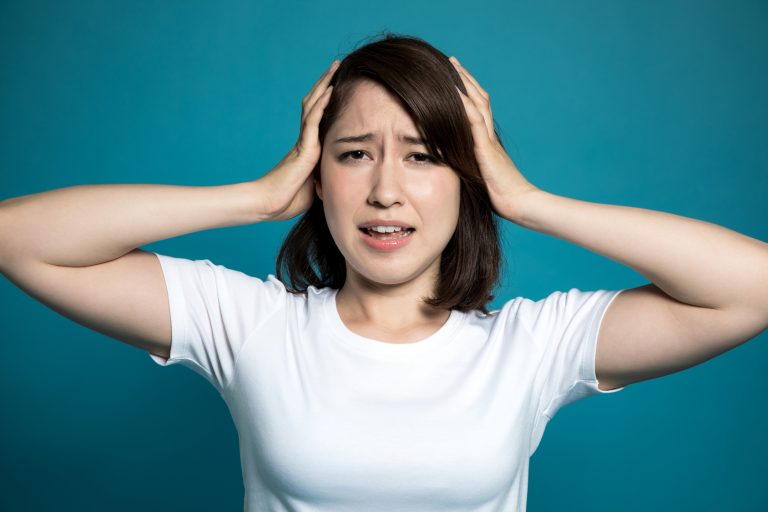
[{"x": 416, "y": 141}]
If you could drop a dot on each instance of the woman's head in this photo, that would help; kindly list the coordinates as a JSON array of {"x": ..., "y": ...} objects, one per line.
[
  {"x": 392, "y": 87},
  {"x": 387, "y": 178}
]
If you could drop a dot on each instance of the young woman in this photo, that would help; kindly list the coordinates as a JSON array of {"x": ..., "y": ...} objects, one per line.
[{"x": 373, "y": 377}]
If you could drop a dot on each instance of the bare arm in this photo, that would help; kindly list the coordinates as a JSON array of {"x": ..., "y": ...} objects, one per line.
[
  {"x": 90, "y": 224},
  {"x": 708, "y": 283},
  {"x": 76, "y": 249}
]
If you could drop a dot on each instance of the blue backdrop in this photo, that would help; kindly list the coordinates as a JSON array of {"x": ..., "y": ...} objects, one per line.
[{"x": 656, "y": 104}]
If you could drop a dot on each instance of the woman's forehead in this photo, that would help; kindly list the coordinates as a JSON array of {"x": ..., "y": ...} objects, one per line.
[
  {"x": 369, "y": 97},
  {"x": 364, "y": 121}
]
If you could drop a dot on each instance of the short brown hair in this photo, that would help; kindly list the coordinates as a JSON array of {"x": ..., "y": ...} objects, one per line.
[{"x": 425, "y": 81}]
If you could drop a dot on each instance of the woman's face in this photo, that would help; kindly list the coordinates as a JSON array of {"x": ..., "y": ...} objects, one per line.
[{"x": 388, "y": 178}]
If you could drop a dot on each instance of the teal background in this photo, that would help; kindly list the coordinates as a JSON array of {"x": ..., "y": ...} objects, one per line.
[{"x": 659, "y": 105}]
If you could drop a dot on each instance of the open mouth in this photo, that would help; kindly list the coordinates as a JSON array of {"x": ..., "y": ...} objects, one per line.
[{"x": 388, "y": 236}]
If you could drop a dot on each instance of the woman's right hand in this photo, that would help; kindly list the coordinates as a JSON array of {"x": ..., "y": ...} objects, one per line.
[{"x": 289, "y": 187}]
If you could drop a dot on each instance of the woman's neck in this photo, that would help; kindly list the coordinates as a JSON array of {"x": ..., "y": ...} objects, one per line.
[{"x": 389, "y": 310}]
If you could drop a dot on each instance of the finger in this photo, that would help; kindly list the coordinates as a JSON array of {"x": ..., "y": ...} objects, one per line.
[
  {"x": 309, "y": 135},
  {"x": 478, "y": 95},
  {"x": 476, "y": 121},
  {"x": 323, "y": 80},
  {"x": 318, "y": 89},
  {"x": 471, "y": 79}
]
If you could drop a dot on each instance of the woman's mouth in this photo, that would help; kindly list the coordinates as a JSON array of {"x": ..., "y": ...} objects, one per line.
[
  {"x": 387, "y": 236},
  {"x": 386, "y": 241}
]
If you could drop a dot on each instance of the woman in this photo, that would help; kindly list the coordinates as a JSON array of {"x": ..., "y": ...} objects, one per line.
[{"x": 378, "y": 380}]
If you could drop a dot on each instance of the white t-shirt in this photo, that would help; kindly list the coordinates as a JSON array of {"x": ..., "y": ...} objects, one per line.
[{"x": 329, "y": 420}]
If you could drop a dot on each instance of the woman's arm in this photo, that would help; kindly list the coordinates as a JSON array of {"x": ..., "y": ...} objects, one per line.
[
  {"x": 693, "y": 261},
  {"x": 76, "y": 251},
  {"x": 90, "y": 224},
  {"x": 709, "y": 285},
  {"x": 709, "y": 290}
]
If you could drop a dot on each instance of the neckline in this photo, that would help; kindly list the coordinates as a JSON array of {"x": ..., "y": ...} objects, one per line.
[{"x": 383, "y": 349}]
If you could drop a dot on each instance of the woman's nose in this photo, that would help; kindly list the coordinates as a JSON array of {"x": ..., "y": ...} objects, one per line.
[{"x": 386, "y": 188}]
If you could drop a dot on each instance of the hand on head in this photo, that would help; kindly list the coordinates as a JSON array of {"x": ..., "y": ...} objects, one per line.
[{"x": 290, "y": 189}]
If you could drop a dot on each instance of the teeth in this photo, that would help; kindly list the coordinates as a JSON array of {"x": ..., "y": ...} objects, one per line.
[{"x": 385, "y": 229}]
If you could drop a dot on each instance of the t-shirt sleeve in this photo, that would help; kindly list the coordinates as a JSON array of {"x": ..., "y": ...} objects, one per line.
[
  {"x": 214, "y": 310},
  {"x": 565, "y": 326}
]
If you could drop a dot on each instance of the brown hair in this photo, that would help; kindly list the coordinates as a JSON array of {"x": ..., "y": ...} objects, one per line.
[{"x": 425, "y": 81}]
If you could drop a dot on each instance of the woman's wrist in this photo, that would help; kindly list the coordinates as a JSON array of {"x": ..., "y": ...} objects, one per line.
[{"x": 518, "y": 205}]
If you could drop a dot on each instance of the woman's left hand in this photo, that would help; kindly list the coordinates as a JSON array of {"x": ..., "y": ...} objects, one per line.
[{"x": 505, "y": 183}]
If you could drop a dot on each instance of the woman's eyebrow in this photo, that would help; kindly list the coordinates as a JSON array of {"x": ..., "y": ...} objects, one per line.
[{"x": 370, "y": 136}]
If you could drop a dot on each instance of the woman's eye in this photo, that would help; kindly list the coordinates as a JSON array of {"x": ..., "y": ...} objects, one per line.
[
  {"x": 427, "y": 158},
  {"x": 346, "y": 156}
]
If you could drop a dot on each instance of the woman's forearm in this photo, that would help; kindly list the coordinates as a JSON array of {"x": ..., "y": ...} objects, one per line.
[
  {"x": 693, "y": 261},
  {"x": 90, "y": 224}
]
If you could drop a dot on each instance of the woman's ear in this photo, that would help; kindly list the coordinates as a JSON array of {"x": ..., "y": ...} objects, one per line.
[{"x": 318, "y": 188}]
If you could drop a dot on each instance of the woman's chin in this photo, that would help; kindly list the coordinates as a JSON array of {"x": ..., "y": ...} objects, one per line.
[
  {"x": 389, "y": 275},
  {"x": 386, "y": 279}
]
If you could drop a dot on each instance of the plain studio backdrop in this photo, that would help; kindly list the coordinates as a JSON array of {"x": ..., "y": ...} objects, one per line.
[{"x": 656, "y": 104}]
